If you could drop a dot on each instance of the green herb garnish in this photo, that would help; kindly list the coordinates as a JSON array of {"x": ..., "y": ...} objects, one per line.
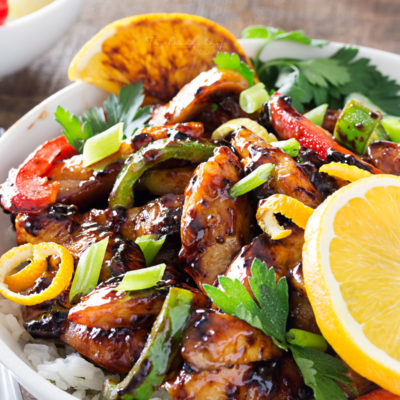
[
  {"x": 232, "y": 61},
  {"x": 269, "y": 313},
  {"x": 125, "y": 108},
  {"x": 150, "y": 246}
]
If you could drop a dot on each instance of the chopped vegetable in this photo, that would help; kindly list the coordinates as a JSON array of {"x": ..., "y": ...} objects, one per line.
[
  {"x": 288, "y": 123},
  {"x": 355, "y": 125},
  {"x": 228, "y": 127},
  {"x": 30, "y": 188},
  {"x": 344, "y": 171},
  {"x": 102, "y": 145},
  {"x": 253, "y": 98},
  {"x": 232, "y": 61},
  {"x": 269, "y": 312},
  {"x": 3, "y": 11},
  {"x": 392, "y": 128},
  {"x": 255, "y": 179},
  {"x": 329, "y": 80},
  {"x": 142, "y": 278},
  {"x": 149, "y": 156},
  {"x": 150, "y": 246},
  {"x": 302, "y": 338},
  {"x": 17, "y": 255},
  {"x": 289, "y": 207},
  {"x": 88, "y": 270},
  {"x": 290, "y": 146},
  {"x": 125, "y": 108},
  {"x": 317, "y": 114},
  {"x": 161, "y": 348}
]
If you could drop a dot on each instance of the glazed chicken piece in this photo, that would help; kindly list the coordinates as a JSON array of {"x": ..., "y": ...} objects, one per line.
[
  {"x": 385, "y": 156},
  {"x": 90, "y": 186},
  {"x": 214, "y": 225},
  {"x": 217, "y": 339},
  {"x": 115, "y": 350},
  {"x": 277, "y": 380},
  {"x": 198, "y": 95},
  {"x": 287, "y": 177}
]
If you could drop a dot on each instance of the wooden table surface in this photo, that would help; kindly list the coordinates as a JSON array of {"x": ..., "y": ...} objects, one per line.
[{"x": 373, "y": 23}]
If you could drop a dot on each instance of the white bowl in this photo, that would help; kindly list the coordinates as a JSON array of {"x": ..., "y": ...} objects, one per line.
[
  {"x": 38, "y": 125},
  {"x": 24, "y": 39}
]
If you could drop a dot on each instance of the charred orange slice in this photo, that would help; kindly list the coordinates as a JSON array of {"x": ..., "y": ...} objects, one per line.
[{"x": 164, "y": 51}]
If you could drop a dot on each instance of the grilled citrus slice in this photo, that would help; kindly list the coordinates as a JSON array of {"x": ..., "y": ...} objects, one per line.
[
  {"x": 164, "y": 51},
  {"x": 351, "y": 266}
]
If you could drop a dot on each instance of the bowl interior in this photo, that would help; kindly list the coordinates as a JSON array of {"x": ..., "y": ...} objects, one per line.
[{"x": 39, "y": 125}]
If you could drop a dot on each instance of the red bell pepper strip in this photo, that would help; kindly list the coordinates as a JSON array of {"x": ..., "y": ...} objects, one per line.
[
  {"x": 379, "y": 394},
  {"x": 3, "y": 11},
  {"x": 29, "y": 189},
  {"x": 289, "y": 123}
]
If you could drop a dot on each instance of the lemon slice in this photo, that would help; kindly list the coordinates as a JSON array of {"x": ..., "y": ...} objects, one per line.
[
  {"x": 351, "y": 265},
  {"x": 164, "y": 51}
]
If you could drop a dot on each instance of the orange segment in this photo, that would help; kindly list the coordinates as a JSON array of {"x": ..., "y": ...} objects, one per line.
[
  {"x": 289, "y": 207},
  {"x": 351, "y": 266},
  {"x": 347, "y": 172},
  {"x": 164, "y": 51}
]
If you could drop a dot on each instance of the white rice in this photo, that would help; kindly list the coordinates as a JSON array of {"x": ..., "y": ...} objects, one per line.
[{"x": 60, "y": 365}]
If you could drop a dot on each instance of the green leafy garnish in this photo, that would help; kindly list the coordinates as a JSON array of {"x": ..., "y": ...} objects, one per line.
[
  {"x": 269, "y": 312},
  {"x": 125, "y": 108},
  {"x": 232, "y": 61},
  {"x": 311, "y": 83}
]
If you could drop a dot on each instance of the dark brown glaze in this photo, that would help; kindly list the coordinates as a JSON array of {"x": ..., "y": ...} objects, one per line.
[
  {"x": 108, "y": 308},
  {"x": 330, "y": 119},
  {"x": 282, "y": 255},
  {"x": 76, "y": 233},
  {"x": 163, "y": 181},
  {"x": 359, "y": 385},
  {"x": 301, "y": 315},
  {"x": 287, "y": 177},
  {"x": 385, "y": 156},
  {"x": 161, "y": 216},
  {"x": 197, "y": 95},
  {"x": 214, "y": 225},
  {"x": 219, "y": 339},
  {"x": 115, "y": 350}
]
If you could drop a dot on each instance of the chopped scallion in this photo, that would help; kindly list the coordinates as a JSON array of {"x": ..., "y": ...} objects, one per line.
[
  {"x": 256, "y": 178},
  {"x": 317, "y": 114},
  {"x": 290, "y": 146},
  {"x": 88, "y": 270},
  {"x": 253, "y": 98},
  {"x": 102, "y": 145},
  {"x": 150, "y": 246},
  {"x": 142, "y": 278},
  {"x": 302, "y": 338},
  {"x": 392, "y": 128}
]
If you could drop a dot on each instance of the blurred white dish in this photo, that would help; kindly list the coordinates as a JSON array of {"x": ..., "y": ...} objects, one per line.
[
  {"x": 39, "y": 125},
  {"x": 24, "y": 39}
]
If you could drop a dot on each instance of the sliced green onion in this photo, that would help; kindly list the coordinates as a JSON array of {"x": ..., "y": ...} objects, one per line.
[
  {"x": 255, "y": 179},
  {"x": 392, "y": 128},
  {"x": 88, "y": 270},
  {"x": 253, "y": 98},
  {"x": 290, "y": 146},
  {"x": 317, "y": 114},
  {"x": 150, "y": 246},
  {"x": 142, "y": 278},
  {"x": 302, "y": 338},
  {"x": 102, "y": 145}
]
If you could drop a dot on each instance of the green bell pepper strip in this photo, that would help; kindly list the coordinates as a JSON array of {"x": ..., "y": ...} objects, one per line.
[
  {"x": 161, "y": 347},
  {"x": 154, "y": 153},
  {"x": 355, "y": 125}
]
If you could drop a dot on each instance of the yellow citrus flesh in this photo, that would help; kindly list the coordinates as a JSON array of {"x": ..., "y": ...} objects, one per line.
[
  {"x": 351, "y": 266},
  {"x": 164, "y": 51}
]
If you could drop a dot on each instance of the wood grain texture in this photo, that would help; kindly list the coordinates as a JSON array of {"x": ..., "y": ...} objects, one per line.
[{"x": 373, "y": 23}]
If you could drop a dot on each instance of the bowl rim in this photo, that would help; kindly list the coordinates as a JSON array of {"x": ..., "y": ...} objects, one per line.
[
  {"x": 42, "y": 11},
  {"x": 24, "y": 373}
]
